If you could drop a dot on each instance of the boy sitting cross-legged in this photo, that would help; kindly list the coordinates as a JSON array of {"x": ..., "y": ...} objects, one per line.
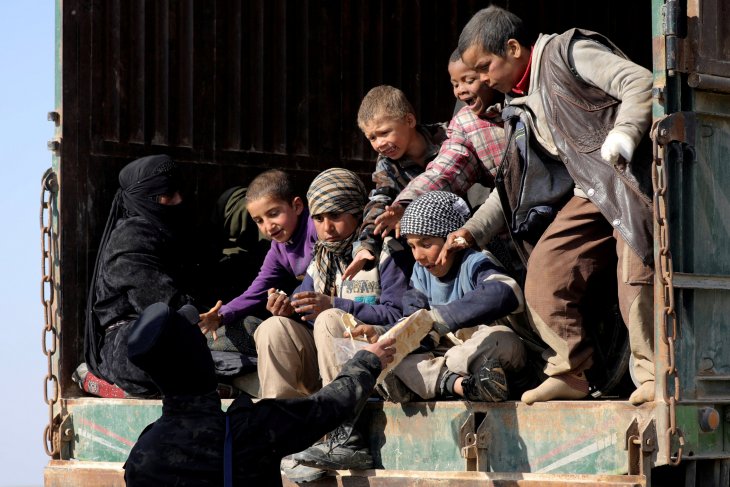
[
  {"x": 292, "y": 357},
  {"x": 475, "y": 353}
]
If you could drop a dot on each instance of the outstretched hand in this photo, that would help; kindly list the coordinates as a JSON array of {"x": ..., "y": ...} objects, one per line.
[
  {"x": 456, "y": 241},
  {"x": 357, "y": 264},
  {"x": 384, "y": 350},
  {"x": 389, "y": 220},
  {"x": 211, "y": 321}
]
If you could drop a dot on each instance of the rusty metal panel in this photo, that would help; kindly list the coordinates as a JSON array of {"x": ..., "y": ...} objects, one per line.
[
  {"x": 64, "y": 473},
  {"x": 707, "y": 45},
  {"x": 92, "y": 474}
]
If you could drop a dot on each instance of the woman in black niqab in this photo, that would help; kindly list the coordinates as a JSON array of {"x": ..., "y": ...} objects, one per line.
[{"x": 135, "y": 267}]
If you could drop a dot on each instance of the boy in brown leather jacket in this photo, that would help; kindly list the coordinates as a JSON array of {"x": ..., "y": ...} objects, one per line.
[{"x": 588, "y": 107}]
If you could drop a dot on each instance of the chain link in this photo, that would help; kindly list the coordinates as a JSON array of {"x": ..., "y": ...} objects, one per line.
[
  {"x": 49, "y": 340},
  {"x": 665, "y": 274}
]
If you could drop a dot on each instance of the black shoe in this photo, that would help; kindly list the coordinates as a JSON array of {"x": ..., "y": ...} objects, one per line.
[
  {"x": 300, "y": 473},
  {"x": 344, "y": 449},
  {"x": 489, "y": 384}
]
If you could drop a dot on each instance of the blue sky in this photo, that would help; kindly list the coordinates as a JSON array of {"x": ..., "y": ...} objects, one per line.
[{"x": 26, "y": 95}]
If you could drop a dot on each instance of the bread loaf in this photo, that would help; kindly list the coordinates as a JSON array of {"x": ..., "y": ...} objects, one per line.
[{"x": 408, "y": 334}]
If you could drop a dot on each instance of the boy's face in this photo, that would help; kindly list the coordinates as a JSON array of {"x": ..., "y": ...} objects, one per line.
[
  {"x": 426, "y": 250},
  {"x": 390, "y": 137},
  {"x": 275, "y": 218},
  {"x": 467, "y": 85},
  {"x": 334, "y": 227},
  {"x": 499, "y": 73}
]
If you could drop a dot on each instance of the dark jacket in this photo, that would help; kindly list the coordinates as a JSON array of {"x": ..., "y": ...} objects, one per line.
[
  {"x": 581, "y": 116},
  {"x": 185, "y": 446}
]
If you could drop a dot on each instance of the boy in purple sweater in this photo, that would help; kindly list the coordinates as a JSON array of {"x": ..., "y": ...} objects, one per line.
[{"x": 282, "y": 217}]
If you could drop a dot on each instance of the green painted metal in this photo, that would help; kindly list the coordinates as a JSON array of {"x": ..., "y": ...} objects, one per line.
[
  {"x": 419, "y": 436},
  {"x": 700, "y": 443},
  {"x": 521, "y": 438}
]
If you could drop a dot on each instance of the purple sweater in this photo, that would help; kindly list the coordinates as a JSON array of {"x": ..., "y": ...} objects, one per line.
[{"x": 285, "y": 264}]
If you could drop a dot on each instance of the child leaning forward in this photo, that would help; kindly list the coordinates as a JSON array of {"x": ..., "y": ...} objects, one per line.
[{"x": 474, "y": 353}]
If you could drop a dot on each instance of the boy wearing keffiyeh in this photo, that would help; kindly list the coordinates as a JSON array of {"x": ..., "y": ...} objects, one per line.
[{"x": 295, "y": 348}]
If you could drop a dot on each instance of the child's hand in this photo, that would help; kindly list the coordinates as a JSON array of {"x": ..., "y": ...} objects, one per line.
[
  {"x": 384, "y": 349},
  {"x": 279, "y": 303},
  {"x": 357, "y": 264},
  {"x": 310, "y": 304},
  {"x": 367, "y": 331},
  {"x": 389, "y": 220},
  {"x": 456, "y": 241},
  {"x": 211, "y": 321}
]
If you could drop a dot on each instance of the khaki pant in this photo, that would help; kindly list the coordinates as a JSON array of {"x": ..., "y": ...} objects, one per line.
[
  {"x": 292, "y": 358},
  {"x": 422, "y": 372},
  {"x": 578, "y": 246},
  {"x": 287, "y": 364}
]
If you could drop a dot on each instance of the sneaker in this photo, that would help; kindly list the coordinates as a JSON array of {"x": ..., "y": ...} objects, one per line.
[
  {"x": 344, "y": 449},
  {"x": 489, "y": 384}
]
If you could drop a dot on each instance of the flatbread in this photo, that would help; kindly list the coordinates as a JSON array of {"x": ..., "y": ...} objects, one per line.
[{"x": 408, "y": 334}]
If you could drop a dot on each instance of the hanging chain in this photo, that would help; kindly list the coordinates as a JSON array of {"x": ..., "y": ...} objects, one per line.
[
  {"x": 49, "y": 187},
  {"x": 664, "y": 271}
]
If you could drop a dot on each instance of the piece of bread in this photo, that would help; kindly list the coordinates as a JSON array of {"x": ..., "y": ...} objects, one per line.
[{"x": 408, "y": 334}]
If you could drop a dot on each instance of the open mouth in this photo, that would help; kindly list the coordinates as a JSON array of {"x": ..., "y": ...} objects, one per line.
[{"x": 469, "y": 100}]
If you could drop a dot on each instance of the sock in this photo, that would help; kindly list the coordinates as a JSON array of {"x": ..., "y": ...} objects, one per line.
[
  {"x": 566, "y": 386},
  {"x": 644, "y": 393}
]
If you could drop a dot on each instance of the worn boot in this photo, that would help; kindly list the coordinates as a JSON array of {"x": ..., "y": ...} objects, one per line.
[
  {"x": 300, "y": 473},
  {"x": 489, "y": 384},
  {"x": 344, "y": 449}
]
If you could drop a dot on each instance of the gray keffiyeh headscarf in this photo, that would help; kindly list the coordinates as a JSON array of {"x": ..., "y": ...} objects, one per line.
[
  {"x": 436, "y": 214},
  {"x": 335, "y": 190}
]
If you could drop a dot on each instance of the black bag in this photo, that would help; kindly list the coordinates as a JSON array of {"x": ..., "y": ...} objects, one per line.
[{"x": 532, "y": 186}]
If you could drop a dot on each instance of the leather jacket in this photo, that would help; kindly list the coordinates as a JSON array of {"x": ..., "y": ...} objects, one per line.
[{"x": 580, "y": 117}]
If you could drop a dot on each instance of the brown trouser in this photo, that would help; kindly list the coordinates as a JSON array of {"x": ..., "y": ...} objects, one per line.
[{"x": 578, "y": 246}]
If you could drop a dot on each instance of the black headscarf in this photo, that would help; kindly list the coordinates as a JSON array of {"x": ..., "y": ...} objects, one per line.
[{"x": 141, "y": 182}]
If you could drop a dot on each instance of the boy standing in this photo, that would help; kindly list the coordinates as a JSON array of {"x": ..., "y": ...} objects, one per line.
[{"x": 589, "y": 107}]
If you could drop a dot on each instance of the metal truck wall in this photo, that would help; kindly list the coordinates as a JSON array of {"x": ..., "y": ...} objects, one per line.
[{"x": 230, "y": 88}]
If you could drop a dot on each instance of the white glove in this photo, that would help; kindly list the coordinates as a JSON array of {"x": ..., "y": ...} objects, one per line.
[{"x": 617, "y": 144}]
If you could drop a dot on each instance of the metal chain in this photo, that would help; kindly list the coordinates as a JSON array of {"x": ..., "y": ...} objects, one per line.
[
  {"x": 49, "y": 345},
  {"x": 665, "y": 273}
]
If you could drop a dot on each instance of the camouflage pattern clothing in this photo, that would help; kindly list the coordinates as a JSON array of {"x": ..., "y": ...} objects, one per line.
[
  {"x": 185, "y": 447},
  {"x": 390, "y": 178}
]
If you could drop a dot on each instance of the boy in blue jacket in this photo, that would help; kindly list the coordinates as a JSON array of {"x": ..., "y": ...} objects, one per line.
[{"x": 475, "y": 354}]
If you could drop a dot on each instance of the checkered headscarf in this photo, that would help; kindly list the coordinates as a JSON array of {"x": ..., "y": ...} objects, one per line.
[
  {"x": 334, "y": 191},
  {"x": 435, "y": 214},
  {"x": 337, "y": 190}
]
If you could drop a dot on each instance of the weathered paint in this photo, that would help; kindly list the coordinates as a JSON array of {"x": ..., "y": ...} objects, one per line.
[
  {"x": 419, "y": 436},
  {"x": 94, "y": 474}
]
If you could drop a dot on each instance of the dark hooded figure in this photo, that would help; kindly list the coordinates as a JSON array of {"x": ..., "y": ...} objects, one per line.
[
  {"x": 137, "y": 264},
  {"x": 194, "y": 443}
]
